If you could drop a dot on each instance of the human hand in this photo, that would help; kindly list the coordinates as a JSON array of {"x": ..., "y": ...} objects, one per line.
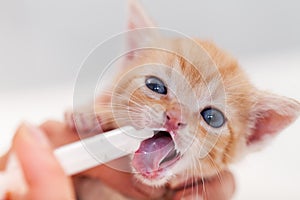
[
  {"x": 220, "y": 187},
  {"x": 59, "y": 134},
  {"x": 44, "y": 177},
  {"x": 43, "y": 174}
]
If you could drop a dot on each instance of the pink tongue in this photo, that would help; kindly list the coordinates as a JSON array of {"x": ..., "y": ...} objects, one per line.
[{"x": 152, "y": 152}]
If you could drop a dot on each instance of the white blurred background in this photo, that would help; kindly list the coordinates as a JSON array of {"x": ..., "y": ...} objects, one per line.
[{"x": 42, "y": 44}]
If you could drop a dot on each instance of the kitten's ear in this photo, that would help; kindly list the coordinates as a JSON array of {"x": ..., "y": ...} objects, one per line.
[
  {"x": 137, "y": 17},
  {"x": 270, "y": 115},
  {"x": 137, "y": 20}
]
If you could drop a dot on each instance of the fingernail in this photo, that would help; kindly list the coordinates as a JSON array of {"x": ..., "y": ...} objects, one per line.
[{"x": 37, "y": 134}]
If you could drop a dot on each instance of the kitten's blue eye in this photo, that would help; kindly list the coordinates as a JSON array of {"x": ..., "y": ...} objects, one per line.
[
  {"x": 213, "y": 117},
  {"x": 156, "y": 85}
]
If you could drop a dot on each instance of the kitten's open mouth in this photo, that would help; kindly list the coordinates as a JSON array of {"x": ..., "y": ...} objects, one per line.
[{"x": 155, "y": 155}]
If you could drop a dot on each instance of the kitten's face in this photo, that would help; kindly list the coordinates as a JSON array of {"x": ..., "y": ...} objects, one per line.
[
  {"x": 189, "y": 104},
  {"x": 204, "y": 109}
]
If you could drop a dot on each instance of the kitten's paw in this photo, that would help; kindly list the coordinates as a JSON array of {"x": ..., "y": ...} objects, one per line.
[{"x": 83, "y": 122}]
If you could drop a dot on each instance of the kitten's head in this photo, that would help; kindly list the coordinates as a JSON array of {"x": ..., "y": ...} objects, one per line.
[{"x": 205, "y": 110}]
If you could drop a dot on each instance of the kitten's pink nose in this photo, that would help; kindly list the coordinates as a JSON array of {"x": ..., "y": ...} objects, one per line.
[{"x": 174, "y": 119}]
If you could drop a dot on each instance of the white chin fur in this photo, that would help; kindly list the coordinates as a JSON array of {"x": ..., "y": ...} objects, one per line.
[{"x": 154, "y": 183}]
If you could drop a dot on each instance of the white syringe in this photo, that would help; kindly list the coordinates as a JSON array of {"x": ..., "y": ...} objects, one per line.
[{"x": 85, "y": 154}]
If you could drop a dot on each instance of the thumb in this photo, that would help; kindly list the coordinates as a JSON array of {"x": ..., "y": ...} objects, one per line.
[{"x": 43, "y": 174}]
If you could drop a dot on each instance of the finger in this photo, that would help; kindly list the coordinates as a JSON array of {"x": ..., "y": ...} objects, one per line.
[
  {"x": 42, "y": 172},
  {"x": 58, "y": 133},
  {"x": 3, "y": 161},
  {"x": 219, "y": 187}
]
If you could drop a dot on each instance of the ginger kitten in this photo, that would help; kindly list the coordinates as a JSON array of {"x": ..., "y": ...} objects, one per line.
[{"x": 206, "y": 111}]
